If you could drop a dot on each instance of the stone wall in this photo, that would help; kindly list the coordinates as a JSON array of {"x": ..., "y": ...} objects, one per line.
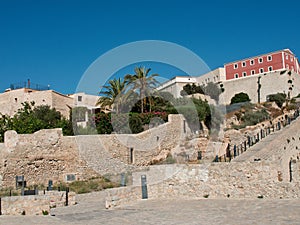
[
  {"x": 112, "y": 153},
  {"x": 48, "y": 155},
  {"x": 268, "y": 178},
  {"x": 214, "y": 180},
  {"x": 268, "y": 86},
  {"x": 25, "y": 205},
  {"x": 35, "y": 204},
  {"x": 42, "y": 156}
]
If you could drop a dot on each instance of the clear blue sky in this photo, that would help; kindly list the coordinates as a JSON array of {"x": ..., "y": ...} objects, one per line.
[{"x": 54, "y": 42}]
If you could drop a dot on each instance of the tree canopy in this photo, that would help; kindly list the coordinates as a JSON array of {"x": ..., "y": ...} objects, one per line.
[
  {"x": 240, "y": 97},
  {"x": 31, "y": 118}
]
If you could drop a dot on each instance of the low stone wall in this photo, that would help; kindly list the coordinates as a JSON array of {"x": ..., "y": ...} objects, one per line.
[
  {"x": 25, "y": 205},
  {"x": 35, "y": 204},
  {"x": 48, "y": 155},
  {"x": 214, "y": 180}
]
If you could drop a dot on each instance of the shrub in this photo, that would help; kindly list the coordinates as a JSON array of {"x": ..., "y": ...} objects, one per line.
[
  {"x": 253, "y": 117},
  {"x": 278, "y": 98},
  {"x": 240, "y": 97},
  {"x": 191, "y": 89},
  {"x": 135, "y": 123},
  {"x": 103, "y": 123}
]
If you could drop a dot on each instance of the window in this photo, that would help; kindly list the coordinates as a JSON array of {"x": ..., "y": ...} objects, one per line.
[
  {"x": 252, "y": 62},
  {"x": 244, "y": 74},
  {"x": 269, "y": 58},
  {"x": 292, "y": 58},
  {"x": 260, "y": 60},
  {"x": 243, "y": 64},
  {"x": 261, "y": 70},
  {"x": 252, "y": 72},
  {"x": 292, "y": 68},
  {"x": 286, "y": 56},
  {"x": 70, "y": 177},
  {"x": 236, "y": 75},
  {"x": 79, "y": 98},
  {"x": 287, "y": 66},
  {"x": 235, "y": 66},
  {"x": 270, "y": 68}
]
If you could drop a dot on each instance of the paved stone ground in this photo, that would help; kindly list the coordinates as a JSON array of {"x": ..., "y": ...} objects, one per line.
[{"x": 90, "y": 210}]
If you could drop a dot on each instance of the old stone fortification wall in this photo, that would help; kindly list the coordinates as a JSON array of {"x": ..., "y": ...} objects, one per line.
[
  {"x": 271, "y": 83},
  {"x": 112, "y": 153},
  {"x": 35, "y": 204},
  {"x": 214, "y": 180},
  {"x": 48, "y": 155},
  {"x": 45, "y": 155},
  {"x": 269, "y": 178}
]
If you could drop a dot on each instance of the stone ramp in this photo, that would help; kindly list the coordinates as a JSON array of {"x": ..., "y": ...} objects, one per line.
[
  {"x": 268, "y": 147},
  {"x": 98, "y": 157}
]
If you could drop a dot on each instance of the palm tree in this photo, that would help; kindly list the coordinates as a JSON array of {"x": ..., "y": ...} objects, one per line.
[
  {"x": 113, "y": 94},
  {"x": 142, "y": 82}
]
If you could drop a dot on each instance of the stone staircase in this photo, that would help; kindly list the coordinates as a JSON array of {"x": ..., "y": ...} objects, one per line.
[
  {"x": 268, "y": 148},
  {"x": 98, "y": 157}
]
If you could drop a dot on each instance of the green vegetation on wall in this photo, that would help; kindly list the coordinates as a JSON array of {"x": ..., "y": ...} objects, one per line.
[{"x": 240, "y": 97}]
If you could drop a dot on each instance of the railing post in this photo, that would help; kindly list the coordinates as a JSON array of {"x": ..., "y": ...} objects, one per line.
[
  {"x": 249, "y": 141},
  {"x": 234, "y": 151},
  {"x": 67, "y": 196},
  {"x": 217, "y": 158}
]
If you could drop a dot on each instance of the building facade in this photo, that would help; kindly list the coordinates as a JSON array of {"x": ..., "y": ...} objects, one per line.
[
  {"x": 274, "y": 61},
  {"x": 11, "y": 100},
  {"x": 176, "y": 84}
]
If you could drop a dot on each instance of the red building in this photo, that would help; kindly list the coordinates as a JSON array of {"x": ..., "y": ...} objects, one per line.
[{"x": 273, "y": 61}]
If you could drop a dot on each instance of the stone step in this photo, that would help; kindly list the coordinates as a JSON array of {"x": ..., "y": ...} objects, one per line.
[{"x": 263, "y": 150}]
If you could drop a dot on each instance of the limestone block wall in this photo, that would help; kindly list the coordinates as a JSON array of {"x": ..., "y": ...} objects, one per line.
[
  {"x": 48, "y": 155},
  {"x": 42, "y": 156},
  {"x": 214, "y": 180},
  {"x": 25, "y": 205},
  {"x": 111, "y": 153},
  {"x": 35, "y": 204},
  {"x": 271, "y": 83}
]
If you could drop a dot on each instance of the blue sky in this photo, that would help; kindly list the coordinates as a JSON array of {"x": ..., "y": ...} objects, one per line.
[{"x": 54, "y": 42}]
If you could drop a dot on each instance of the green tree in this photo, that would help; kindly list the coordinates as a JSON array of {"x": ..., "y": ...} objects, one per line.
[
  {"x": 278, "y": 98},
  {"x": 135, "y": 123},
  {"x": 113, "y": 94},
  {"x": 103, "y": 123},
  {"x": 240, "y": 97},
  {"x": 213, "y": 90},
  {"x": 189, "y": 89},
  {"x": 30, "y": 119},
  {"x": 142, "y": 82},
  {"x": 5, "y": 125}
]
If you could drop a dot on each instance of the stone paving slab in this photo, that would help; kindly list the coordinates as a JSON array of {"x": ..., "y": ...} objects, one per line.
[{"x": 90, "y": 210}]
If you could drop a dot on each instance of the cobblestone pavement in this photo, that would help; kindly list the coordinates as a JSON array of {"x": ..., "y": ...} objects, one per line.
[{"x": 90, "y": 210}]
